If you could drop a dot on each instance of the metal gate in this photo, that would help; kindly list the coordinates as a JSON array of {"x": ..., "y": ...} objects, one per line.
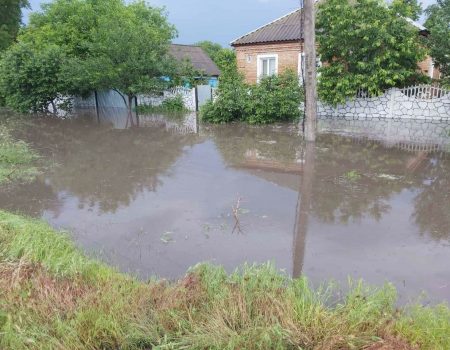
[{"x": 204, "y": 94}]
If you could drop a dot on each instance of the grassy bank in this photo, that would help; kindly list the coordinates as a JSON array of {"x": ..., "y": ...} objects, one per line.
[
  {"x": 53, "y": 297},
  {"x": 16, "y": 159}
]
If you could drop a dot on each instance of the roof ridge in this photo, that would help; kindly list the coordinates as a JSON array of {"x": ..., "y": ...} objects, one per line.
[
  {"x": 189, "y": 45},
  {"x": 265, "y": 25}
]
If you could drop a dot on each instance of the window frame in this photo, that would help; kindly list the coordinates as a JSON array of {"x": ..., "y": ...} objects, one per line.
[{"x": 260, "y": 59}]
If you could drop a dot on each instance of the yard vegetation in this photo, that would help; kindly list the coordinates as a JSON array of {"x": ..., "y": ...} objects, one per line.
[
  {"x": 76, "y": 47},
  {"x": 170, "y": 105},
  {"x": 367, "y": 45},
  {"x": 439, "y": 40},
  {"x": 52, "y": 296},
  {"x": 17, "y": 160},
  {"x": 274, "y": 99}
]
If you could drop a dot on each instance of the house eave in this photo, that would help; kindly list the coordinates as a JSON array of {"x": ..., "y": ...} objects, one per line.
[{"x": 261, "y": 43}]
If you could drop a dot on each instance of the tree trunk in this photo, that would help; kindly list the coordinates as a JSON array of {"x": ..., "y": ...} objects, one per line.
[
  {"x": 55, "y": 112},
  {"x": 310, "y": 70},
  {"x": 303, "y": 209}
]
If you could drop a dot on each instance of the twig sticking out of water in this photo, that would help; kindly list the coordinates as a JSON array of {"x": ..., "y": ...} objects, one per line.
[{"x": 237, "y": 223}]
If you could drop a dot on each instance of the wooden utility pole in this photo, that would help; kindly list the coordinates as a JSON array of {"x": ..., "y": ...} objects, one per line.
[{"x": 309, "y": 39}]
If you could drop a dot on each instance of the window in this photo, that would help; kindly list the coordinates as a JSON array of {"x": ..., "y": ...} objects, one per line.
[{"x": 267, "y": 65}]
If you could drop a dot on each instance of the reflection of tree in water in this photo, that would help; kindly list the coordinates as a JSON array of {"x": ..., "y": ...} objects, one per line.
[
  {"x": 432, "y": 204},
  {"x": 355, "y": 179},
  {"x": 352, "y": 179},
  {"x": 30, "y": 199},
  {"x": 102, "y": 166}
]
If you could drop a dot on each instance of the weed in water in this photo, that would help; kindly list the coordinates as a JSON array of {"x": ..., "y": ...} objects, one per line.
[
  {"x": 352, "y": 175},
  {"x": 16, "y": 159}
]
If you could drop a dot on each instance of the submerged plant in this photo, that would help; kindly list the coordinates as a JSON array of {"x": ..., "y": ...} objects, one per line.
[
  {"x": 16, "y": 159},
  {"x": 352, "y": 175}
]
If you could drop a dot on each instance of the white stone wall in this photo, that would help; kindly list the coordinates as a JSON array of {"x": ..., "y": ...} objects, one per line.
[
  {"x": 188, "y": 96},
  {"x": 111, "y": 99},
  {"x": 392, "y": 104}
]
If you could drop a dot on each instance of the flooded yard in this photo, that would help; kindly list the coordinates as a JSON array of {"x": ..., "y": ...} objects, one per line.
[{"x": 371, "y": 200}]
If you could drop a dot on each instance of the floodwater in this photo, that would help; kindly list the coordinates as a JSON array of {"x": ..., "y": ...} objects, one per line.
[{"x": 370, "y": 200}]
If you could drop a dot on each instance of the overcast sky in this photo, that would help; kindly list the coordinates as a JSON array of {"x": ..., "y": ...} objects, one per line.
[{"x": 219, "y": 20}]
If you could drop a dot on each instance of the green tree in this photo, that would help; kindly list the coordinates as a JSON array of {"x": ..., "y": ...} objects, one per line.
[
  {"x": 10, "y": 20},
  {"x": 103, "y": 44},
  {"x": 30, "y": 77},
  {"x": 365, "y": 45},
  {"x": 439, "y": 39},
  {"x": 407, "y": 8},
  {"x": 130, "y": 49},
  {"x": 224, "y": 58}
]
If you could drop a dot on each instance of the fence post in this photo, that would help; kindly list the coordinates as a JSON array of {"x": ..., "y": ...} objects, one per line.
[{"x": 96, "y": 106}]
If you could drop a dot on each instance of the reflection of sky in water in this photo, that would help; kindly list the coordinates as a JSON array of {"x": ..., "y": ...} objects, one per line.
[{"x": 153, "y": 201}]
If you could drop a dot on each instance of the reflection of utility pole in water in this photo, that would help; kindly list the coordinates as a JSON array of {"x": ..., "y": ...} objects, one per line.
[{"x": 303, "y": 209}]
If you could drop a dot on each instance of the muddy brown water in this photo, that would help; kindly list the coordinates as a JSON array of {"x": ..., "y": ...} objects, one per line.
[{"x": 369, "y": 200}]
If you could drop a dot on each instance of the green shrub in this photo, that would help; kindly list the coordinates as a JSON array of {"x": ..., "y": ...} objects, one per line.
[
  {"x": 174, "y": 104},
  {"x": 274, "y": 99},
  {"x": 171, "y": 105},
  {"x": 232, "y": 97}
]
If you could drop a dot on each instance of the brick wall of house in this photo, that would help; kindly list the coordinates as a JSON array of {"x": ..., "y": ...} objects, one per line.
[
  {"x": 427, "y": 68},
  {"x": 288, "y": 57},
  {"x": 247, "y": 57}
]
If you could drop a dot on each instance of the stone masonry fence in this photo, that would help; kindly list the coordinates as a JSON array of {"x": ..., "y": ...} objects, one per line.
[{"x": 417, "y": 102}]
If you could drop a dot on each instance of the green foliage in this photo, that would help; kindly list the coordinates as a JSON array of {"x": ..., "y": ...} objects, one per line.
[
  {"x": 439, "y": 39},
  {"x": 52, "y": 295},
  {"x": 426, "y": 327},
  {"x": 131, "y": 44},
  {"x": 171, "y": 105},
  {"x": 89, "y": 45},
  {"x": 224, "y": 58},
  {"x": 365, "y": 45},
  {"x": 274, "y": 99},
  {"x": 16, "y": 159},
  {"x": 352, "y": 175},
  {"x": 184, "y": 74},
  {"x": 407, "y": 8},
  {"x": 10, "y": 20},
  {"x": 30, "y": 77},
  {"x": 174, "y": 104},
  {"x": 232, "y": 98}
]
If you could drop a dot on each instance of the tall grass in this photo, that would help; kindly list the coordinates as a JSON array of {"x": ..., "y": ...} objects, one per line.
[
  {"x": 16, "y": 159},
  {"x": 53, "y": 297}
]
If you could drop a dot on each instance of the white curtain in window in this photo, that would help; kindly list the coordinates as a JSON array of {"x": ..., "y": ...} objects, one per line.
[{"x": 269, "y": 66}]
